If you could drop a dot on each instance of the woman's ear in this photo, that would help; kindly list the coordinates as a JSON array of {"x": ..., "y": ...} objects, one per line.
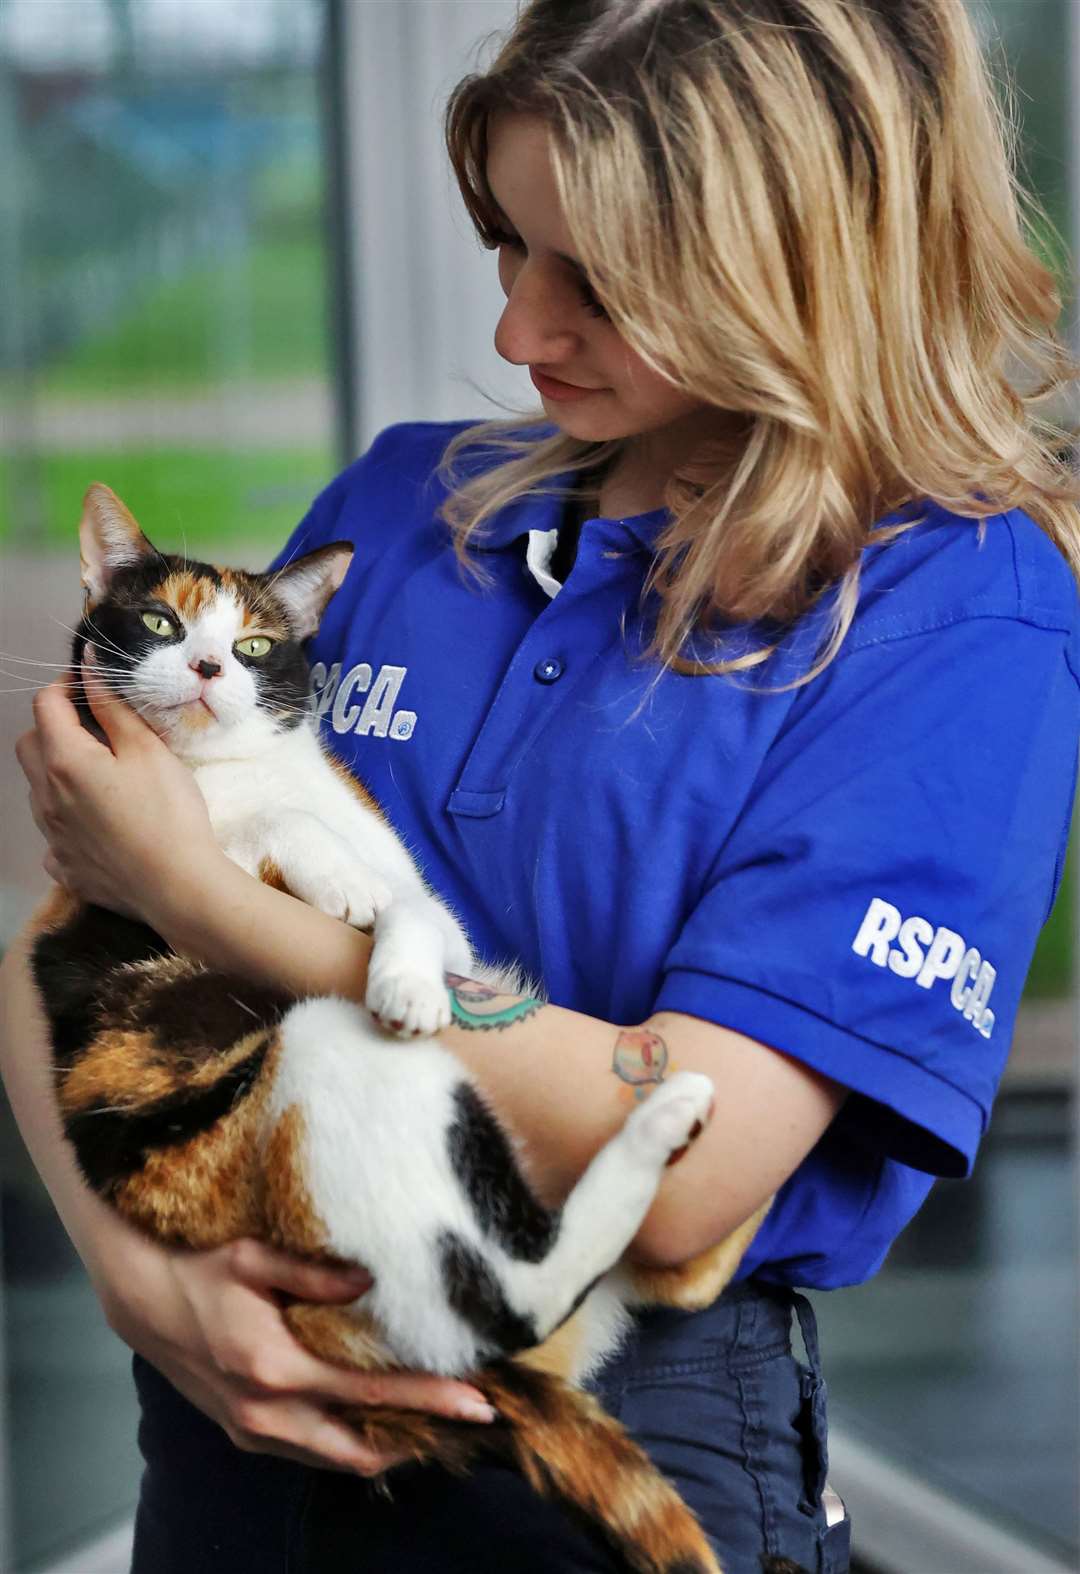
[
  {"x": 305, "y": 585},
  {"x": 109, "y": 539}
]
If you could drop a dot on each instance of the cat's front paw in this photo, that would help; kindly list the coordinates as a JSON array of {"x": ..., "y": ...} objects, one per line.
[
  {"x": 355, "y": 895},
  {"x": 407, "y": 1004},
  {"x": 671, "y": 1118}
]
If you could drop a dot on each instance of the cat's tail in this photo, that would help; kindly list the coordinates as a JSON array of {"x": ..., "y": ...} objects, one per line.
[
  {"x": 566, "y": 1445},
  {"x": 568, "y": 1448}
]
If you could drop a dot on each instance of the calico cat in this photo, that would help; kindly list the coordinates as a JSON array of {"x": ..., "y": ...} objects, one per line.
[{"x": 205, "y": 1107}]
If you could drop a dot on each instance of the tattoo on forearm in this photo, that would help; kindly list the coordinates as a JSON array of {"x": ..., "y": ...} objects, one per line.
[
  {"x": 479, "y": 1008},
  {"x": 641, "y": 1057}
]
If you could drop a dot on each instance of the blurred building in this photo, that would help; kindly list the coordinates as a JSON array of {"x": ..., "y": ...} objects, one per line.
[{"x": 231, "y": 253}]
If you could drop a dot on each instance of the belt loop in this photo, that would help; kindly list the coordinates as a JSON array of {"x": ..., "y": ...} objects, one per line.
[{"x": 808, "y": 1328}]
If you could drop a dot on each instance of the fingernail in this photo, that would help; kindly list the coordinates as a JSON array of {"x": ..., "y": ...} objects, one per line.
[{"x": 472, "y": 1410}]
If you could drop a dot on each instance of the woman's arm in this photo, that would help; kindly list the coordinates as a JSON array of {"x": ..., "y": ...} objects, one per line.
[{"x": 558, "y": 1077}]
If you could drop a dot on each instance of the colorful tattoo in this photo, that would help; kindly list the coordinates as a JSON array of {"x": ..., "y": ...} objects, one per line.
[
  {"x": 480, "y": 1008},
  {"x": 641, "y": 1057}
]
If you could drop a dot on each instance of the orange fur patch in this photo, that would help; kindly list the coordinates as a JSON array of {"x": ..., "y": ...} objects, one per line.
[
  {"x": 210, "y": 1190},
  {"x": 695, "y": 1284},
  {"x": 187, "y": 593},
  {"x": 291, "y": 1219},
  {"x": 336, "y": 1336},
  {"x": 356, "y": 787},
  {"x": 271, "y": 875},
  {"x": 558, "y": 1355},
  {"x": 57, "y": 909}
]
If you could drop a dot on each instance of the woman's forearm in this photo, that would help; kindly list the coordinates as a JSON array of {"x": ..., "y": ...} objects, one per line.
[
  {"x": 563, "y": 1080},
  {"x": 101, "y": 1237},
  {"x": 216, "y": 913}
]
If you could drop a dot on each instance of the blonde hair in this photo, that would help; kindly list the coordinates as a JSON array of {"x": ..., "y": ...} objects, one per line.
[{"x": 806, "y": 214}]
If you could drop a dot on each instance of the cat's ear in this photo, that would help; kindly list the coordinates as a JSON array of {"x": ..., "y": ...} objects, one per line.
[
  {"x": 109, "y": 539},
  {"x": 306, "y": 584}
]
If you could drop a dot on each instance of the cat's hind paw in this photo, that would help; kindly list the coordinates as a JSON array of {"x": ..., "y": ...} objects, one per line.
[
  {"x": 409, "y": 1005},
  {"x": 671, "y": 1118}
]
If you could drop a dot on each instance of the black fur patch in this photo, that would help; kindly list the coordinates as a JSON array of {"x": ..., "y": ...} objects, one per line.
[
  {"x": 484, "y": 1162},
  {"x": 70, "y": 965},
  {"x": 112, "y": 1144},
  {"x": 79, "y": 973},
  {"x": 476, "y": 1295},
  {"x": 199, "y": 1014}
]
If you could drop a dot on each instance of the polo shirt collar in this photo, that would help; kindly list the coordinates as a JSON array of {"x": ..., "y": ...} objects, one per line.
[{"x": 545, "y": 513}]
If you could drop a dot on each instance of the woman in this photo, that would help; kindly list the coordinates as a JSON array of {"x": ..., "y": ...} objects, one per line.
[{"x": 746, "y": 731}]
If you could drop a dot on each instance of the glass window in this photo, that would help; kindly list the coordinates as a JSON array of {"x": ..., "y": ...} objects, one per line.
[{"x": 164, "y": 326}]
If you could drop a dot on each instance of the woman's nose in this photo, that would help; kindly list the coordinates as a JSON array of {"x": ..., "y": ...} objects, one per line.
[
  {"x": 532, "y": 326},
  {"x": 206, "y": 669}
]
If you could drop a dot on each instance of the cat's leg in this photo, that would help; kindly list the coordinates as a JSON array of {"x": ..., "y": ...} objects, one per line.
[
  {"x": 319, "y": 867},
  {"x": 606, "y": 1208},
  {"x": 417, "y": 941}
]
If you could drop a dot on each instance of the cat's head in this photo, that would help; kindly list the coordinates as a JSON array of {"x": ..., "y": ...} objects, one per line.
[{"x": 210, "y": 657}]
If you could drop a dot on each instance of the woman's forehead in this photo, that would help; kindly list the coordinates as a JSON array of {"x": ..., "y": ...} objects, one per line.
[{"x": 521, "y": 181}]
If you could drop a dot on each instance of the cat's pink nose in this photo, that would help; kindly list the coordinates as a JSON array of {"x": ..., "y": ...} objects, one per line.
[{"x": 206, "y": 669}]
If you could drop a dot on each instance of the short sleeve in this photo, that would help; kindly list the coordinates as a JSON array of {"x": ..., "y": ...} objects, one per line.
[{"x": 874, "y": 911}]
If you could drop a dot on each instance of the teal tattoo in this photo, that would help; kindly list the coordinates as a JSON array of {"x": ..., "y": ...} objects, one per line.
[{"x": 479, "y": 1008}]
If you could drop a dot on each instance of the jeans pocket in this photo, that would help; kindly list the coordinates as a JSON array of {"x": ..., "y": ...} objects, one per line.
[
  {"x": 836, "y": 1548},
  {"x": 813, "y": 1428}
]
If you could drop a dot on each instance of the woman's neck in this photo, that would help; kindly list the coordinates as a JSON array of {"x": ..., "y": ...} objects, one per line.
[{"x": 638, "y": 478}]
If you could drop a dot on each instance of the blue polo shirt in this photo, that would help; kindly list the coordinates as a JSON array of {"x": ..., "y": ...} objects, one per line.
[{"x": 853, "y": 872}]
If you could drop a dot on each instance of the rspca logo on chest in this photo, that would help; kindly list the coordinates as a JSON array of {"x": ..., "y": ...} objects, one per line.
[
  {"x": 362, "y": 701},
  {"x": 929, "y": 955}
]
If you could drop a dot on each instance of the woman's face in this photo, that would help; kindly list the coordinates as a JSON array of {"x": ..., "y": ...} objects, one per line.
[{"x": 553, "y": 324}]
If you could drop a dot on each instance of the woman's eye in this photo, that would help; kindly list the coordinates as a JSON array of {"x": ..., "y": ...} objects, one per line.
[
  {"x": 591, "y": 302},
  {"x": 257, "y": 645},
  {"x": 501, "y": 238},
  {"x": 158, "y": 623}
]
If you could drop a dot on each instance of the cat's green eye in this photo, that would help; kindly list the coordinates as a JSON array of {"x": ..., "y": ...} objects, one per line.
[
  {"x": 157, "y": 623},
  {"x": 257, "y": 645}
]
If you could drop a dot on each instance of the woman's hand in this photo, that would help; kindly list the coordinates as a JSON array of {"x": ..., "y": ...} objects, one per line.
[
  {"x": 118, "y": 819},
  {"x": 210, "y": 1321}
]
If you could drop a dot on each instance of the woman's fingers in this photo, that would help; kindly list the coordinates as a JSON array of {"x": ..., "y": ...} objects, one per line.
[
  {"x": 441, "y": 1396},
  {"x": 122, "y": 725},
  {"x": 285, "y": 1366},
  {"x": 58, "y": 726},
  {"x": 263, "y": 1267},
  {"x": 287, "y": 1427}
]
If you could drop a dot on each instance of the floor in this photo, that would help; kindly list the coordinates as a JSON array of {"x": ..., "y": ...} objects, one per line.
[{"x": 959, "y": 1359}]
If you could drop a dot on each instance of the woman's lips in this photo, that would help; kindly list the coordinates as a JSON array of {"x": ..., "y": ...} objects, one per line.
[{"x": 552, "y": 388}]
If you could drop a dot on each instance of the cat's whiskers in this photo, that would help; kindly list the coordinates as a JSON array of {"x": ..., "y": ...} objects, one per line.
[
  {"x": 100, "y": 640},
  {"x": 31, "y": 661}
]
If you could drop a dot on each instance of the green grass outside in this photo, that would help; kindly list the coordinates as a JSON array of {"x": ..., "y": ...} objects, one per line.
[
  {"x": 185, "y": 499},
  {"x": 260, "y": 315}
]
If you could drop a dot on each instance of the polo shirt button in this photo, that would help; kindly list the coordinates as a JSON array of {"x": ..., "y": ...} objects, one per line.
[{"x": 548, "y": 671}]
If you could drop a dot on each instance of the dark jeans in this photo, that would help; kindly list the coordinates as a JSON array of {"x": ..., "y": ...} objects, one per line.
[{"x": 716, "y": 1397}]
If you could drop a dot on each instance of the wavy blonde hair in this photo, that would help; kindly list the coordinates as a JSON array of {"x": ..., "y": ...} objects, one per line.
[{"x": 806, "y": 213}]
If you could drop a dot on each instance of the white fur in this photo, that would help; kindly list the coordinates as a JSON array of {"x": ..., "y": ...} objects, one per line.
[{"x": 376, "y": 1166}]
